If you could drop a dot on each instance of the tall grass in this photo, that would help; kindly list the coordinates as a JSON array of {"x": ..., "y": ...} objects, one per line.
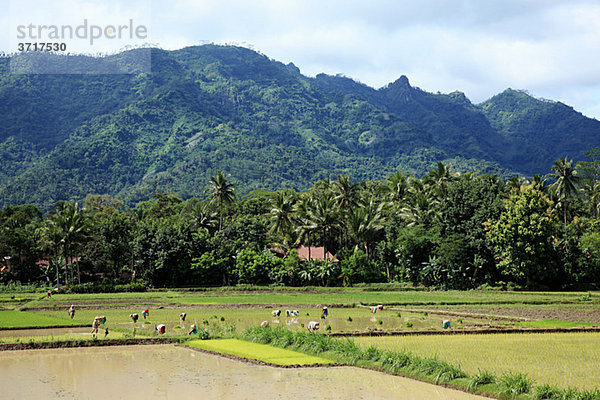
[{"x": 393, "y": 362}]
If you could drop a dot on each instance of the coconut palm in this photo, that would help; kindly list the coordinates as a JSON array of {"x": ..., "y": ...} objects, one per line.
[
  {"x": 323, "y": 217},
  {"x": 395, "y": 188},
  {"x": 439, "y": 178},
  {"x": 566, "y": 182},
  {"x": 67, "y": 229},
  {"x": 281, "y": 219},
  {"x": 221, "y": 192},
  {"x": 345, "y": 192}
]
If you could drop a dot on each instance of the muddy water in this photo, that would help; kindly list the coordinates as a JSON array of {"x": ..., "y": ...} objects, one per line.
[
  {"x": 44, "y": 332},
  {"x": 168, "y": 372}
]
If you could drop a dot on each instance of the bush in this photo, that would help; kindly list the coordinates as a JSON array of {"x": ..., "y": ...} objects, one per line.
[
  {"x": 481, "y": 378},
  {"x": 103, "y": 288},
  {"x": 514, "y": 384}
]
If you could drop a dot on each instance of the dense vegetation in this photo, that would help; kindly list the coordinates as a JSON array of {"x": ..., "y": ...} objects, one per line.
[
  {"x": 209, "y": 108},
  {"x": 445, "y": 230}
]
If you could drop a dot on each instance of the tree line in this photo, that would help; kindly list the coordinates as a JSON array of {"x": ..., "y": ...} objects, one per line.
[{"x": 444, "y": 230}]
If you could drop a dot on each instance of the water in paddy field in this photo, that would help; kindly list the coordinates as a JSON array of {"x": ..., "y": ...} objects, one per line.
[
  {"x": 169, "y": 372},
  {"x": 45, "y": 332}
]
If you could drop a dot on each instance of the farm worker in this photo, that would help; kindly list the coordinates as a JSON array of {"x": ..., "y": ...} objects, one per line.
[
  {"x": 134, "y": 317},
  {"x": 313, "y": 326},
  {"x": 72, "y": 311},
  {"x": 380, "y": 306},
  {"x": 373, "y": 309},
  {"x": 194, "y": 330},
  {"x": 325, "y": 312},
  {"x": 161, "y": 328},
  {"x": 105, "y": 332},
  {"x": 96, "y": 324},
  {"x": 295, "y": 313},
  {"x": 49, "y": 293},
  {"x": 264, "y": 324},
  {"x": 446, "y": 324},
  {"x": 182, "y": 316},
  {"x": 145, "y": 313},
  {"x": 288, "y": 313},
  {"x": 276, "y": 313}
]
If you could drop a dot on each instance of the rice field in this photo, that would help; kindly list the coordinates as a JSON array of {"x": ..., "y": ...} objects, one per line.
[
  {"x": 560, "y": 359},
  {"x": 256, "y": 351},
  {"x": 19, "y": 319}
]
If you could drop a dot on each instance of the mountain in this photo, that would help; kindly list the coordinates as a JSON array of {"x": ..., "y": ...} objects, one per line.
[{"x": 209, "y": 108}]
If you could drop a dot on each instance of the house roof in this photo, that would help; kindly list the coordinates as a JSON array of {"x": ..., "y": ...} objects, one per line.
[{"x": 316, "y": 253}]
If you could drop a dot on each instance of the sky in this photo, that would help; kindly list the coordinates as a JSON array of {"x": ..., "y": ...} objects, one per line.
[{"x": 550, "y": 48}]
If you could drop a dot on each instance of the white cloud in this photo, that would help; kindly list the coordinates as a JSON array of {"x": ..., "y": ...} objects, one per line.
[{"x": 549, "y": 47}]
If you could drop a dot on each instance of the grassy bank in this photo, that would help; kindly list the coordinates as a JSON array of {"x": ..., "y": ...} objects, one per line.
[{"x": 261, "y": 352}]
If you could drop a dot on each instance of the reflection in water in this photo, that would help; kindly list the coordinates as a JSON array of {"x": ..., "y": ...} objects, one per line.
[{"x": 167, "y": 372}]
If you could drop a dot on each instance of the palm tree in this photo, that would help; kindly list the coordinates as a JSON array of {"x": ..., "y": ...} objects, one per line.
[
  {"x": 395, "y": 187},
  {"x": 364, "y": 223},
  {"x": 222, "y": 192},
  {"x": 345, "y": 192},
  {"x": 420, "y": 207},
  {"x": 324, "y": 217},
  {"x": 301, "y": 220},
  {"x": 204, "y": 217},
  {"x": 67, "y": 229},
  {"x": 566, "y": 182},
  {"x": 439, "y": 178}
]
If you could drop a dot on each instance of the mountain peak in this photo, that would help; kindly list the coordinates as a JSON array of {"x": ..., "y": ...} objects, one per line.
[{"x": 400, "y": 83}]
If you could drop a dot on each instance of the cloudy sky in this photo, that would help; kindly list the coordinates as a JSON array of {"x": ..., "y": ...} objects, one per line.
[{"x": 550, "y": 48}]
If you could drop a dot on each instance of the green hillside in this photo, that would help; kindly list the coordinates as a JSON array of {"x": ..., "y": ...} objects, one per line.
[{"x": 210, "y": 108}]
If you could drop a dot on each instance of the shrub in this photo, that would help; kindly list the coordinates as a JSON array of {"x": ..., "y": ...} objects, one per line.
[
  {"x": 481, "y": 378},
  {"x": 514, "y": 384}
]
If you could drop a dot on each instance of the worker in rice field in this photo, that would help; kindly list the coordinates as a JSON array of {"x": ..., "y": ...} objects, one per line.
[
  {"x": 96, "y": 324},
  {"x": 145, "y": 313},
  {"x": 313, "y": 326},
  {"x": 105, "y": 332},
  {"x": 161, "y": 328},
  {"x": 72, "y": 311},
  {"x": 182, "y": 316},
  {"x": 380, "y": 307},
  {"x": 264, "y": 324},
  {"x": 194, "y": 330},
  {"x": 325, "y": 311},
  {"x": 134, "y": 317},
  {"x": 276, "y": 313}
]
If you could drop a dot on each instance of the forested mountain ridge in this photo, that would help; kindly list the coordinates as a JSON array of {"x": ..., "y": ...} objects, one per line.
[{"x": 209, "y": 108}]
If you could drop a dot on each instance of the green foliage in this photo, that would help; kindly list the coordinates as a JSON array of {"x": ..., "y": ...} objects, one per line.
[
  {"x": 523, "y": 238},
  {"x": 514, "y": 384}
]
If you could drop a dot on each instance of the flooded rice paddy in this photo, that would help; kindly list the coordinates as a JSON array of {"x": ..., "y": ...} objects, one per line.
[{"x": 169, "y": 372}]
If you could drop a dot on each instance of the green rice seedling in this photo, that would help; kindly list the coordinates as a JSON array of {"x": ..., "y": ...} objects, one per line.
[
  {"x": 448, "y": 372},
  {"x": 328, "y": 328},
  {"x": 205, "y": 322},
  {"x": 349, "y": 319},
  {"x": 322, "y": 317},
  {"x": 409, "y": 324},
  {"x": 481, "y": 378},
  {"x": 548, "y": 392},
  {"x": 514, "y": 384},
  {"x": 371, "y": 353},
  {"x": 222, "y": 319},
  {"x": 459, "y": 320},
  {"x": 399, "y": 315},
  {"x": 380, "y": 322}
]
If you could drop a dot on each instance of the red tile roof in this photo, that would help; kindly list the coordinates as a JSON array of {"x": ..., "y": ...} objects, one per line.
[{"x": 316, "y": 253}]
